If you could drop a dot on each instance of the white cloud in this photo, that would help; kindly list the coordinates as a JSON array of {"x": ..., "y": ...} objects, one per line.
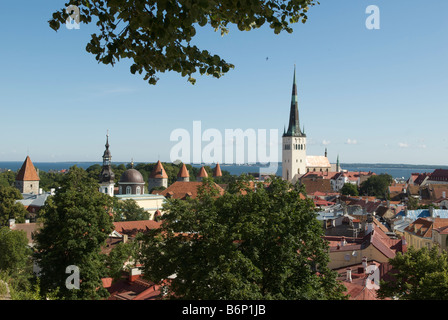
[
  {"x": 351, "y": 141},
  {"x": 403, "y": 145},
  {"x": 326, "y": 142},
  {"x": 422, "y": 146}
]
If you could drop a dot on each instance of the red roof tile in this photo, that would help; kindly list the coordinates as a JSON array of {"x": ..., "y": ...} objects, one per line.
[{"x": 133, "y": 227}]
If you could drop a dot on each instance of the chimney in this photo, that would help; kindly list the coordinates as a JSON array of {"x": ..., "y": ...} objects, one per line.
[
  {"x": 349, "y": 275},
  {"x": 431, "y": 211},
  {"x": 364, "y": 262}
]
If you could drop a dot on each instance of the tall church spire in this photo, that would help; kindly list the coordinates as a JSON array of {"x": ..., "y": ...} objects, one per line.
[
  {"x": 294, "y": 123},
  {"x": 107, "y": 174}
]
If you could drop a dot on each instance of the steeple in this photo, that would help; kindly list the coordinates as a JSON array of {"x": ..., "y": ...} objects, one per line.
[
  {"x": 107, "y": 157},
  {"x": 294, "y": 123},
  {"x": 107, "y": 175}
]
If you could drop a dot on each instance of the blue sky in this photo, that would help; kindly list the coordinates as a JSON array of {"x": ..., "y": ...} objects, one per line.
[{"x": 367, "y": 95}]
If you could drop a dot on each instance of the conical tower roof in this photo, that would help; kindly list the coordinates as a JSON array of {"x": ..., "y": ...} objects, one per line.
[
  {"x": 294, "y": 123},
  {"x": 217, "y": 171},
  {"x": 158, "y": 172},
  {"x": 202, "y": 173},
  {"x": 183, "y": 172},
  {"x": 27, "y": 172}
]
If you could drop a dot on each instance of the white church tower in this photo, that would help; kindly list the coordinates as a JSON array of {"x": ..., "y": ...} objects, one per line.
[{"x": 293, "y": 142}]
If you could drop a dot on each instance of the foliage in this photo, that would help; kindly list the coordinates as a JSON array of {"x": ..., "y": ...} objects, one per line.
[
  {"x": 419, "y": 274},
  {"x": 252, "y": 243},
  {"x": 376, "y": 185},
  {"x": 9, "y": 208},
  {"x": 15, "y": 253},
  {"x": 157, "y": 35},
  {"x": 349, "y": 189},
  {"x": 50, "y": 180},
  {"x": 122, "y": 253},
  {"x": 76, "y": 224},
  {"x": 7, "y": 178},
  {"x": 128, "y": 210}
]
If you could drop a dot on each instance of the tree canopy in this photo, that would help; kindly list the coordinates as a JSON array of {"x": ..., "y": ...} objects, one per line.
[
  {"x": 251, "y": 243},
  {"x": 376, "y": 185},
  {"x": 349, "y": 189},
  {"x": 419, "y": 274},
  {"x": 157, "y": 35},
  {"x": 76, "y": 223},
  {"x": 9, "y": 208}
]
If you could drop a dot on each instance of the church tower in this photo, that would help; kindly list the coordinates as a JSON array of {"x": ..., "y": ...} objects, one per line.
[
  {"x": 293, "y": 142},
  {"x": 107, "y": 176}
]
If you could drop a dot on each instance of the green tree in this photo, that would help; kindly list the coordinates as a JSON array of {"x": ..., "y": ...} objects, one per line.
[
  {"x": 15, "y": 254},
  {"x": 76, "y": 224},
  {"x": 129, "y": 210},
  {"x": 50, "y": 180},
  {"x": 157, "y": 35},
  {"x": 16, "y": 268},
  {"x": 418, "y": 274},
  {"x": 9, "y": 207},
  {"x": 376, "y": 185},
  {"x": 119, "y": 255},
  {"x": 349, "y": 189},
  {"x": 262, "y": 243},
  {"x": 7, "y": 178}
]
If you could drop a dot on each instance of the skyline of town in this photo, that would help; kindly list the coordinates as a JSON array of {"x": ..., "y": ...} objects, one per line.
[{"x": 363, "y": 94}]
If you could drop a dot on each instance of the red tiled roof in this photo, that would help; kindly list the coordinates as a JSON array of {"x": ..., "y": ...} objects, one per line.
[
  {"x": 158, "y": 172},
  {"x": 320, "y": 174},
  {"x": 439, "y": 174},
  {"x": 27, "y": 172},
  {"x": 139, "y": 289},
  {"x": 423, "y": 227},
  {"x": 133, "y": 227},
  {"x": 184, "y": 189}
]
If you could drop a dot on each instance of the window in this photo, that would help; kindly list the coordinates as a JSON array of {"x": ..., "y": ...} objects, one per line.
[
  {"x": 138, "y": 190},
  {"x": 120, "y": 190},
  {"x": 128, "y": 190},
  {"x": 105, "y": 190}
]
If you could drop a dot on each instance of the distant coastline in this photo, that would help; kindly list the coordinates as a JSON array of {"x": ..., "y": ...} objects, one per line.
[{"x": 395, "y": 170}]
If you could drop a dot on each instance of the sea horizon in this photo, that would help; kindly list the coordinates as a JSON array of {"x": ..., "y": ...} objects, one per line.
[{"x": 396, "y": 170}]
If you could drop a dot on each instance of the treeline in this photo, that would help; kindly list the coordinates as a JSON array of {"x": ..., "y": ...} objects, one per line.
[{"x": 49, "y": 180}]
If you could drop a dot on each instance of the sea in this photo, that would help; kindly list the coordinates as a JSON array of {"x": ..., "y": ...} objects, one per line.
[{"x": 398, "y": 171}]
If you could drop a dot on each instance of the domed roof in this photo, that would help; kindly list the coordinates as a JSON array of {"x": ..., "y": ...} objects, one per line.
[{"x": 131, "y": 176}]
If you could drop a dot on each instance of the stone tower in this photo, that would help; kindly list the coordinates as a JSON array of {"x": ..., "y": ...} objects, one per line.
[
  {"x": 158, "y": 177},
  {"x": 27, "y": 179},
  {"x": 183, "y": 174},
  {"x": 293, "y": 142}
]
